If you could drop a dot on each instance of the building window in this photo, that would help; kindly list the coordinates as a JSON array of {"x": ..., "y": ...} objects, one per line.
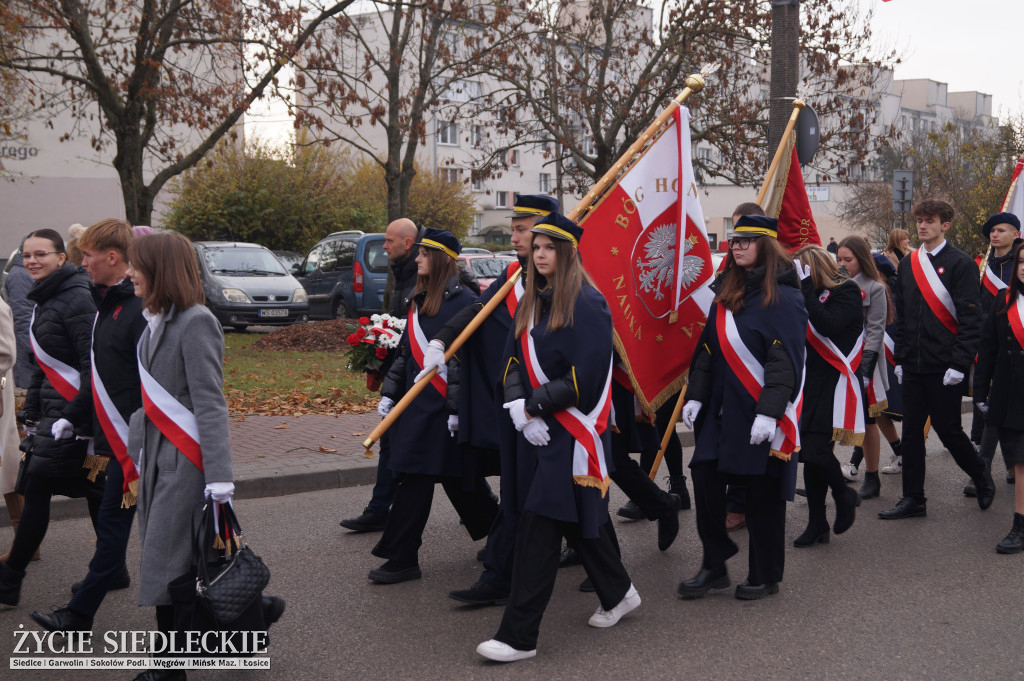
[
  {"x": 477, "y": 182},
  {"x": 513, "y": 158},
  {"x": 477, "y": 137},
  {"x": 478, "y": 223},
  {"x": 447, "y": 133},
  {"x": 501, "y": 199},
  {"x": 449, "y": 174},
  {"x": 544, "y": 186}
]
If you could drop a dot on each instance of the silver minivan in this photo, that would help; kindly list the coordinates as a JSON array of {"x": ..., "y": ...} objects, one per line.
[{"x": 245, "y": 284}]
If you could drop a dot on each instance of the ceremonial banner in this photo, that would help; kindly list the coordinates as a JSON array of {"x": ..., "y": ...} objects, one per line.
[
  {"x": 786, "y": 199},
  {"x": 1014, "y": 201},
  {"x": 658, "y": 292}
]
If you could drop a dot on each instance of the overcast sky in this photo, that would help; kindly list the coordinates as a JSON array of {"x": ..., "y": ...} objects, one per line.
[{"x": 969, "y": 44}]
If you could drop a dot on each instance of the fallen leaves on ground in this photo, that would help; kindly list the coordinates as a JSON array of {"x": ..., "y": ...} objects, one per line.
[
  {"x": 296, "y": 402},
  {"x": 322, "y": 336}
]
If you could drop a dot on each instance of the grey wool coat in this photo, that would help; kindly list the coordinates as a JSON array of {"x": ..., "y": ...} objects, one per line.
[{"x": 185, "y": 354}]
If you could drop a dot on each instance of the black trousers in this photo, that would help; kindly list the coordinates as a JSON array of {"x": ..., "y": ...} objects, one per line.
[
  {"x": 538, "y": 546},
  {"x": 403, "y": 533},
  {"x": 653, "y": 501},
  {"x": 35, "y": 517},
  {"x": 766, "y": 521},
  {"x": 113, "y": 528},
  {"x": 500, "y": 550},
  {"x": 924, "y": 396},
  {"x": 385, "y": 487},
  {"x": 673, "y": 457}
]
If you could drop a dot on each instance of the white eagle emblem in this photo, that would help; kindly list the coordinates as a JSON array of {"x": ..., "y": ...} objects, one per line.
[{"x": 656, "y": 269}]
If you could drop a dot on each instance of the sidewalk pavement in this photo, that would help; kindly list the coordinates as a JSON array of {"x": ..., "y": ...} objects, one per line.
[{"x": 280, "y": 455}]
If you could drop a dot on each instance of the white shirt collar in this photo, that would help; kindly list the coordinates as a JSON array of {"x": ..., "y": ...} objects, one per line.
[{"x": 937, "y": 249}]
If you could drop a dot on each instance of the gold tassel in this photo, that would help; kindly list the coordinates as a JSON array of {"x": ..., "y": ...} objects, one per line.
[
  {"x": 131, "y": 497},
  {"x": 227, "y": 547},
  {"x": 95, "y": 464},
  {"x": 218, "y": 542},
  {"x": 845, "y": 436},
  {"x": 782, "y": 455},
  {"x": 877, "y": 408},
  {"x": 591, "y": 481}
]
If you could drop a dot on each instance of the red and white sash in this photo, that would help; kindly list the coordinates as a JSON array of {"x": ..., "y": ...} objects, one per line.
[
  {"x": 589, "y": 466},
  {"x": 65, "y": 379},
  {"x": 847, "y": 402},
  {"x": 1015, "y": 315},
  {"x": 878, "y": 400},
  {"x": 993, "y": 284},
  {"x": 174, "y": 421},
  {"x": 751, "y": 374},
  {"x": 115, "y": 429},
  {"x": 516, "y": 294},
  {"x": 418, "y": 342},
  {"x": 940, "y": 302}
]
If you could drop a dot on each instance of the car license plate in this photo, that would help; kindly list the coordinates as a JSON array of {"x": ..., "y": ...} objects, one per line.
[{"x": 275, "y": 312}]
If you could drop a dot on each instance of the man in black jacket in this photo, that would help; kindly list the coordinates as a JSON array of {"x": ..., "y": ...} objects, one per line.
[
  {"x": 400, "y": 244},
  {"x": 937, "y": 332},
  {"x": 119, "y": 324}
]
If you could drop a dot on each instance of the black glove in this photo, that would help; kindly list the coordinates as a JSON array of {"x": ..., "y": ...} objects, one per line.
[{"x": 867, "y": 364}]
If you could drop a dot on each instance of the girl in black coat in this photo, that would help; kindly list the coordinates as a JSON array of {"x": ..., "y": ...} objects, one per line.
[
  {"x": 423, "y": 450},
  {"x": 558, "y": 393},
  {"x": 833, "y": 409},
  {"x": 997, "y": 388},
  {"x": 61, "y": 336}
]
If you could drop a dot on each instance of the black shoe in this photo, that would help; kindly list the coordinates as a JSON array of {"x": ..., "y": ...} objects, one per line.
[
  {"x": 122, "y": 580},
  {"x": 986, "y": 490},
  {"x": 480, "y": 554},
  {"x": 1010, "y": 477},
  {"x": 10, "y": 584},
  {"x": 846, "y": 509},
  {"x": 970, "y": 490},
  {"x": 481, "y": 593},
  {"x": 704, "y": 581},
  {"x": 273, "y": 608},
  {"x": 800, "y": 492},
  {"x": 587, "y": 586},
  {"x": 63, "y": 619},
  {"x": 393, "y": 573},
  {"x": 367, "y": 522},
  {"x": 752, "y": 592},
  {"x": 668, "y": 524},
  {"x": 872, "y": 486},
  {"x": 907, "y": 507},
  {"x": 569, "y": 557},
  {"x": 162, "y": 675},
  {"x": 814, "y": 534},
  {"x": 677, "y": 486},
  {"x": 1013, "y": 542},
  {"x": 630, "y": 511}
]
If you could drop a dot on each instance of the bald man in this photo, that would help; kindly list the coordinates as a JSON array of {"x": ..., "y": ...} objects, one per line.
[{"x": 400, "y": 244}]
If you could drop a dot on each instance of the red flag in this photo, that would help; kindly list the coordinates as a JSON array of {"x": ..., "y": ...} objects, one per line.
[
  {"x": 658, "y": 292},
  {"x": 786, "y": 199},
  {"x": 1014, "y": 201}
]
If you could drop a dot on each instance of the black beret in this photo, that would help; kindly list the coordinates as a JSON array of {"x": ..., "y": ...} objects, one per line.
[{"x": 1000, "y": 219}]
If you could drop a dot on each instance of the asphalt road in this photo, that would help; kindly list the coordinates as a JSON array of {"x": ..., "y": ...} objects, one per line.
[{"x": 914, "y": 599}]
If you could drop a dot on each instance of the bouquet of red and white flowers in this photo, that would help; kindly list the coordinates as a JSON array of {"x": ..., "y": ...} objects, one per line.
[{"x": 375, "y": 336}]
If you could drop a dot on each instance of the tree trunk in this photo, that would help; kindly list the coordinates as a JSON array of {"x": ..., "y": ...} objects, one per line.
[{"x": 138, "y": 198}]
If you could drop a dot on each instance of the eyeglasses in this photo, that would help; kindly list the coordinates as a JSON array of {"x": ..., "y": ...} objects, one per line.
[
  {"x": 741, "y": 242},
  {"x": 39, "y": 255}
]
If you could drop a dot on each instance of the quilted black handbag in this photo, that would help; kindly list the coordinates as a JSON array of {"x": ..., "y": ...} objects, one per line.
[{"x": 225, "y": 594}]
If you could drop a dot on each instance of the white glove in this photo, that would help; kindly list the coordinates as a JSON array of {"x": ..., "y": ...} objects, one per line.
[
  {"x": 898, "y": 370},
  {"x": 384, "y": 406},
  {"x": 517, "y": 410},
  {"x": 536, "y": 432},
  {"x": 453, "y": 424},
  {"x": 865, "y": 380},
  {"x": 762, "y": 429},
  {"x": 690, "y": 411},
  {"x": 952, "y": 377},
  {"x": 62, "y": 429},
  {"x": 433, "y": 358},
  {"x": 802, "y": 270},
  {"x": 982, "y": 407},
  {"x": 221, "y": 492},
  {"x": 30, "y": 430}
]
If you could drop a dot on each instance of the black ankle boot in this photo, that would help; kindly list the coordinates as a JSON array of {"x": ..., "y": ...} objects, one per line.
[
  {"x": 872, "y": 486},
  {"x": 10, "y": 584},
  {"x": 1013, "y": 542},
  {"x": 847, "y": 502},
  {"x": 817, "y": 532},
  {"x": 677, "y": 486}
]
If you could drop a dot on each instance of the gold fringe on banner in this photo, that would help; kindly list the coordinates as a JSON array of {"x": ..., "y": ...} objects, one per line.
[{"x": 95, "y": 464}]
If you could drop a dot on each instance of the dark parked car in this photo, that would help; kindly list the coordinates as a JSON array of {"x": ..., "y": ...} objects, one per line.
[
  {"x": 289, "y": 259},
  {"x": 246, "y": 284},
  {"x": 345, "y": 275}
]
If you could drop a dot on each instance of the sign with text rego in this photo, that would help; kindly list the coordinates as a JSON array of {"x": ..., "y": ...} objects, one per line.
[{"x": 657, "y": 290}]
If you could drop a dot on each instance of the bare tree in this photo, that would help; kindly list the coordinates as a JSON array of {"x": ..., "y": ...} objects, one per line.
[
  {"x": 585, "y": 79},
  {"x": 376, "y": 78},
  {"x": 170, "y": 77}
]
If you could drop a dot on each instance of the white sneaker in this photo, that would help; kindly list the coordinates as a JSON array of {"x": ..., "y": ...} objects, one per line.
[
  {"x": 849, "y": 471},
  {"x": 503, "y": 652},
  {"x": 609, "y": 618},
  {"x": 895, "y": 465}
]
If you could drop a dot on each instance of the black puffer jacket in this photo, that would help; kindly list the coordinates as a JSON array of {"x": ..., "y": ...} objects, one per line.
[{"x": 63, "y": 327}]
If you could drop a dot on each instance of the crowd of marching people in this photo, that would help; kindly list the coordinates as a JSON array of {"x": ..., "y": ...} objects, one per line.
[{"x": 801, "y": 352}]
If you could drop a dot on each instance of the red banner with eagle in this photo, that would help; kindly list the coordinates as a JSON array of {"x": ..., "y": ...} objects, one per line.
[{"x": 658, "y": 292}]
